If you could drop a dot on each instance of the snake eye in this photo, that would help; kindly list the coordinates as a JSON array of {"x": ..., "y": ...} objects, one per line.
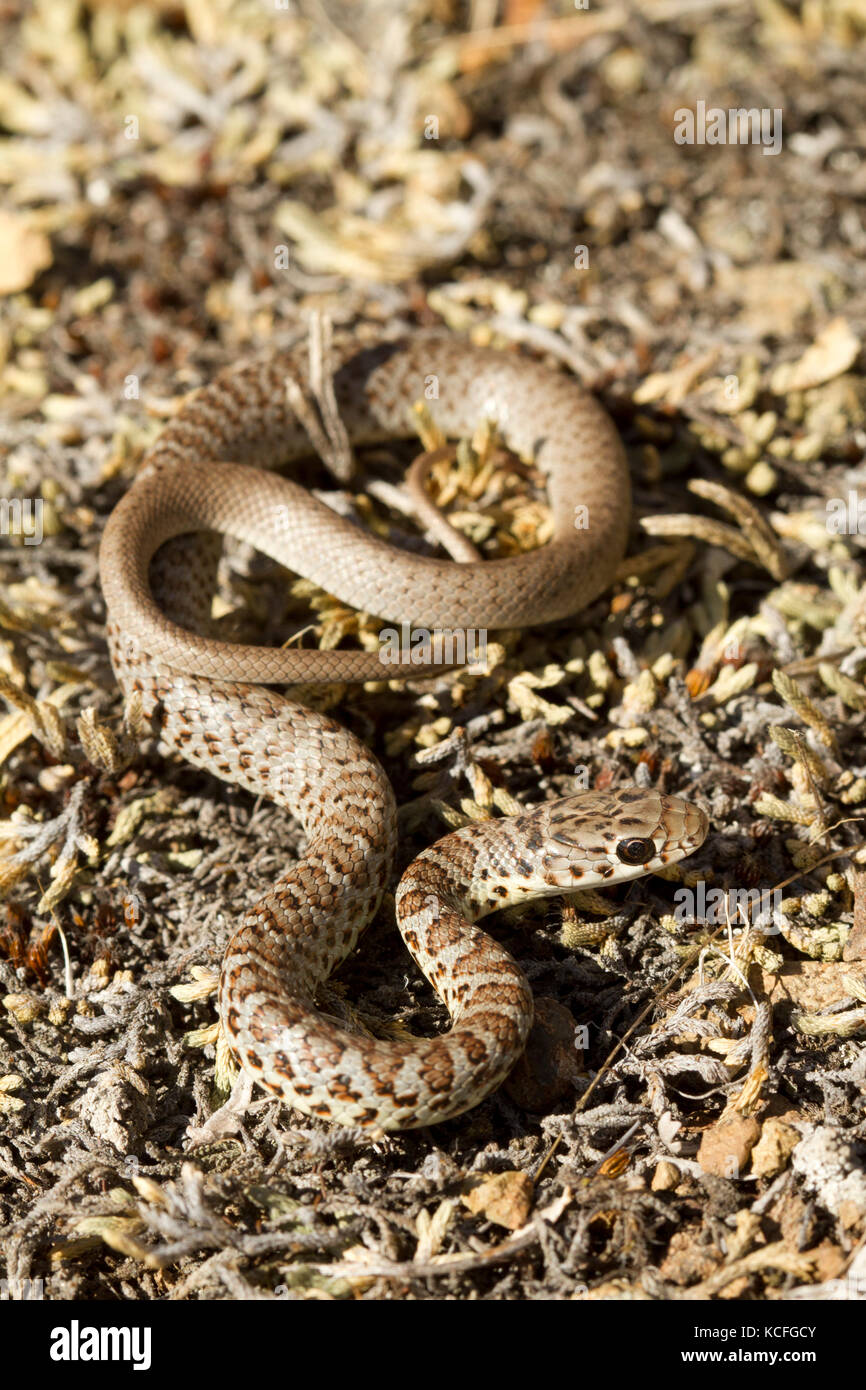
[{"x": 635, "y": 851}]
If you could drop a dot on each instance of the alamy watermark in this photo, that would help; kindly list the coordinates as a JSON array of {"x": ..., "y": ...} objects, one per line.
[
  {"x": 21, "y": 1290},
  {"x": 444, "y": 646},
  {"x": 713, "y": 125},
  {"x": 846, "y": 516},
  {"x": 761, "y": 908},
  {"x": 22, "y": 516},
  {"x": 77, "y": 1343}
]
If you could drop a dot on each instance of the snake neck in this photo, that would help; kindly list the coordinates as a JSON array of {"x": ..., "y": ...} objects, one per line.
[{"x": 479, "y": 869}]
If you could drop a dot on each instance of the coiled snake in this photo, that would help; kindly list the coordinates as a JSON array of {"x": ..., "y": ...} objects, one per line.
[{"x": 206, "y": 698}]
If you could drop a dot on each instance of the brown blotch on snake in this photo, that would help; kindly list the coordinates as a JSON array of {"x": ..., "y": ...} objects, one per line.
[{"x": 206, "y": 473}]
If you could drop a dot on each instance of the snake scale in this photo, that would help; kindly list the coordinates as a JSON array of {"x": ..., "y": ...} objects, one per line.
[{"x": 211, "y": 701}]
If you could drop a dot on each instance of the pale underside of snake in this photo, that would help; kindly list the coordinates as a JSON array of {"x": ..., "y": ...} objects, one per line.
[{"x": 210, "y": 700}]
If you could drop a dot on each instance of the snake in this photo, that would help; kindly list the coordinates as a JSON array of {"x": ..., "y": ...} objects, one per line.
[{"x": 211, "y": 473}]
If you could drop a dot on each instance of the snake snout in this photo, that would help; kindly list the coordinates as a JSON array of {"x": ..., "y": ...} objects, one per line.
[{"x": 685, "y": 826}]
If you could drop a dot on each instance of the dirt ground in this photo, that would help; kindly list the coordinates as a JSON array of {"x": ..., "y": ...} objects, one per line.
[{"x": 184, "y": 185}]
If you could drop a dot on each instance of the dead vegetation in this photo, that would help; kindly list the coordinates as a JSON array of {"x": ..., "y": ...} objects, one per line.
[{"x": 184, "y": 185}]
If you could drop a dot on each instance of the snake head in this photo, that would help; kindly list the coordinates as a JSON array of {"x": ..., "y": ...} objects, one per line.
[
  {"x": 587, "y": 841},
  {"x": 609, "y": 837},
  {"x": 583, "y": 841}
]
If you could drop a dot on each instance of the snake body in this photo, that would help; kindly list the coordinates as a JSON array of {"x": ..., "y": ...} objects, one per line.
[{"x": 207, "y": 472}]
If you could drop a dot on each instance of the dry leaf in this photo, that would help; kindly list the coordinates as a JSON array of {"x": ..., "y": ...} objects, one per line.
[
  {"x": 24, "y": 252},
  {"x": 505, "y": 1198},
  {"x": 834, "y": 350}
]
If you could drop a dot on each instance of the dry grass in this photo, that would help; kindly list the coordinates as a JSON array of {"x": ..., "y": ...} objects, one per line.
[{"x": 183, "y": 185}]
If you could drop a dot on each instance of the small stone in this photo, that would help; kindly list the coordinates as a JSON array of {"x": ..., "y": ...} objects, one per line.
[
  {"x": 775, "y": 1146},
  {"x": 504, "y": 1198},
  {"x": 828, "y": 1260},
  {"x": 666, "y": 1177},
  {"x": 726, "y": 1146}
]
